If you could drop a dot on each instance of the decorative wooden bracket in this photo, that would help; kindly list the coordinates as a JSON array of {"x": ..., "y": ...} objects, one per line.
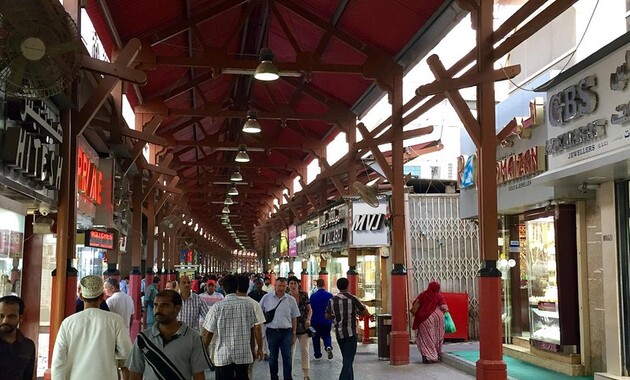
[
  {"x": 155, "y": 178},
  {"x": 105, "y": 87},
  {"x": 378, "y": 155},
  {"x": 457, "y": 101},
  {"x": 114, "y": 70},
  {"x": 143, "y": 137}
]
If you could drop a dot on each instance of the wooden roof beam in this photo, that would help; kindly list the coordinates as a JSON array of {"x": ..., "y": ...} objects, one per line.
[
  {"x": 283, "y": 112},
  {"x": 172, "y": 30}
]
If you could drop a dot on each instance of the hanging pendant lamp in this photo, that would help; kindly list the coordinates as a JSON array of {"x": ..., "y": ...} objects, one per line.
[{"x": 266, "y": 70}]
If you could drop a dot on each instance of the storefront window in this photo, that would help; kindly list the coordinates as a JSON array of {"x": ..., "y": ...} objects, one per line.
[
  {"x": 622, "y": 197},
  {"x": 285, "y": 267},
  {"x": 543, "y": 287},
  {"x": 369, "y": 290},
  {"x": 90, "y": 261},
  {"x": 48, "y": 265},
  {"x": 11, "y": 245},
  {"x": 337, "y": 267}
]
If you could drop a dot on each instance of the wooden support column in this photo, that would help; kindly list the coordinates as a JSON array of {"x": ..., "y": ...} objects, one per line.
[
  {"x": 135, "y": 242},
  {"x": 490, "y": 365},
  {"x": 150, "y": 262},
  {"x": 31, "y": 284},
  {"x": 266, "y": 252},
  {"x": 353, "y": 275},
  {"x": 304, "y": 276},
  {"x": 291, "y": 262},
  {"x": 112, "y": 258},
  {"x": 64, "y": 282},
  {"x": 323, "y": 273},
  {"x": 399, "y": 347},
  {"x": 168, "y": 238},
  {"x": 162, "y": 242}
]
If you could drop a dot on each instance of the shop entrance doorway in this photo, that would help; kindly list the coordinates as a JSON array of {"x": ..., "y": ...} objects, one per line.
[{"x": 622, "y": 197}]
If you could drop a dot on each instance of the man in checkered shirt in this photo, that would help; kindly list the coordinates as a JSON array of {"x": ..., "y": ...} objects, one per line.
[
  {"x": 193, "y": 307},
  {"x": 343, "y": 310},
  {"x": 233, "y": 321}
]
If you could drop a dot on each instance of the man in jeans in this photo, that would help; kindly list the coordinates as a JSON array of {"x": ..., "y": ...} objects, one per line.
[
  {"x": 343, "y": 310},
  {"x": 281, "y": 331},
  {"x": 233, "y": 322},
  {"x": 319, "y": 303}
]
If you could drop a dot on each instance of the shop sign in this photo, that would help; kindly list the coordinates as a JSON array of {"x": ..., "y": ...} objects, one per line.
[
  {"x": 333, "y": 228},
  {"x": 599, "y": 93},
  {"x": 309, "y": 244},
  {"x": 522, "y": 164},
  {"x": 37, "y": 116},
  {"x": 521, "y": 127},
  {"x": 292, "y": 241},
  {"x": 308, "y": 236},
  {"x": 122, "y": 244},
  {"x": 89, "y": 178},
  {"x": 573, "y": 102},
  {"x": 466, "y": 171},
  {"x": 99, "y": 239},
  {"x": 367, "y": 222},
  {"x": 31, "y": 144},
  {"x": 369, "y": 228}
]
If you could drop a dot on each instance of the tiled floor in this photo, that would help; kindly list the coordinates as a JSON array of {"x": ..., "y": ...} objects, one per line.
[{"x": 366, "y": 367}]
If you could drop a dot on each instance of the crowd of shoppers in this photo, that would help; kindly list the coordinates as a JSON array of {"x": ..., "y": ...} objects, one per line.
[{"x": 223, "y": 323}]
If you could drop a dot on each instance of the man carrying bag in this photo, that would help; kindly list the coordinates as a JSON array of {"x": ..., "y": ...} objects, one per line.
[{"x": 281, "y": 312}]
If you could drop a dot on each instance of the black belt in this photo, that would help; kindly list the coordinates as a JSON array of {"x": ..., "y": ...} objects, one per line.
[{"x": 280, "y": 330}]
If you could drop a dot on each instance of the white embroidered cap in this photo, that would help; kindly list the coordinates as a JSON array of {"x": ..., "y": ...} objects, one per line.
[{"x": 91, "y": 286}]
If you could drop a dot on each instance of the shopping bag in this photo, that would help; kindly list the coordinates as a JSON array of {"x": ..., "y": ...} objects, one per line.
[{"x": 449, "y": 325}]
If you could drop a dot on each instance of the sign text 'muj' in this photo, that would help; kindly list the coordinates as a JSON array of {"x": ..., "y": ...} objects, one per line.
[{"x": 367, "y": 222}]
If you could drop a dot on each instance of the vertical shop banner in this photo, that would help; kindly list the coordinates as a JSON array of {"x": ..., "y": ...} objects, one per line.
[
  {"x": 5, "y": 239},
  {"x": 292, "y": 240},
  {"x": 182, "y": 258},
  {"x": 284, "y": 243},
  {"x": 189, "y": 256},
  {"x": 15, "y": 245}
]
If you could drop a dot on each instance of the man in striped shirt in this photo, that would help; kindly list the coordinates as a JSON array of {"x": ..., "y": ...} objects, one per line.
[
  {"x": 343, "y": 310},
  {"x": 169, "y": 350},
  {"x": 193, "y": 307}
]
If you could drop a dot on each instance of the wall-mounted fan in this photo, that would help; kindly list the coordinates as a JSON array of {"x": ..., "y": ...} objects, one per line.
[
  {"x": 367, "y": 193},
  {"x": 170, "y": 222},
  {"x": 39, "y": 48}
]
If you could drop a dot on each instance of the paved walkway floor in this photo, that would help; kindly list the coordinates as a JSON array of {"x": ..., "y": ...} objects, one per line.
[{"x": 366, "y": 367}]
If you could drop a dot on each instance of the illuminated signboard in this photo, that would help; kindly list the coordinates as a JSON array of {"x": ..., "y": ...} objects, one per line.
[
  {"x": 99, "y": 239},
  {"x": 89, "y": 178}
]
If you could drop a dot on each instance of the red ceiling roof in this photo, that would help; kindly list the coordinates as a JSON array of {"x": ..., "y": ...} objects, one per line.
[{"x": 336, "y": 32}]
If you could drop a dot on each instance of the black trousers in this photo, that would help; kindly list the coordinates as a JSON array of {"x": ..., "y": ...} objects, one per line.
[{"x": 231, "y": 372}]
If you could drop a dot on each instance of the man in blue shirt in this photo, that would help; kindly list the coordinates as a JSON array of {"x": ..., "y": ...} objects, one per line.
[
  {"x": 281, "y": 331},
  {"x": 319, "y": 302}
]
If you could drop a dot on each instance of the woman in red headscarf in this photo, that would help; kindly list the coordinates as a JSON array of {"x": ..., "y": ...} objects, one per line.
[{"x": 428, "y": 323}]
